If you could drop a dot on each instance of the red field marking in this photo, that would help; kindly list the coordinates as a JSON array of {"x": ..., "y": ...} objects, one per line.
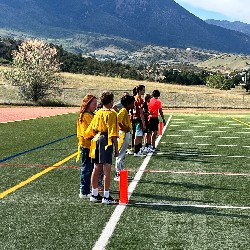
[{"x": 24, "y": 113}]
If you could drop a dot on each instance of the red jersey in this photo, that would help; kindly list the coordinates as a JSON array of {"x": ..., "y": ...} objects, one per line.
[
  {"x": 138, "y": 105},
  {"x": 153, "y": 106}
]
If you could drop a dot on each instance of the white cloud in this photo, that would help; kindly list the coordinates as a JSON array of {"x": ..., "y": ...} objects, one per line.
[{"x": 233, "y": 9}]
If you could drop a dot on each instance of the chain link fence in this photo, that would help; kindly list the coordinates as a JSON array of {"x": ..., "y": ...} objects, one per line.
[
  {"x": 171, "y": 99},
  {"x": 74, "y": 96}
]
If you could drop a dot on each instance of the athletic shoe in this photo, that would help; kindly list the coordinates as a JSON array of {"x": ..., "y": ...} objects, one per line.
[
  {"x": 117, "y": 178},
  {"x": 140, "y": 153},
  {"x": 84, "y": 196},
  {"x": 129, "y": 152},
  {"x": 109, "y": 200},
  {"x": 130, "y": 178},
  {"x": 95, "y": 198}
]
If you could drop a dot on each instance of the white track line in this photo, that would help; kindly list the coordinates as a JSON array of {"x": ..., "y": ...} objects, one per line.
[
  {"x": 115, "y": 217},
  {"x": 192, "y": 205}
]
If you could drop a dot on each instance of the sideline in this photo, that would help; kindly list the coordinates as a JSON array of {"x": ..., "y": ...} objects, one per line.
[
  {"x": 36, "y": 176},
  {"x": 32, "y": 149},
  {"x": 115, "y": 217}
]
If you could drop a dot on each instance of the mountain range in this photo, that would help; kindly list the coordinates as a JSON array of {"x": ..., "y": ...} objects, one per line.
[{"x": 158, "y": 22}]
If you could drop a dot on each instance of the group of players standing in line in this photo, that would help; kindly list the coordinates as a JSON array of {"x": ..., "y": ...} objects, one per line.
[{"x": 103, "y": 131}]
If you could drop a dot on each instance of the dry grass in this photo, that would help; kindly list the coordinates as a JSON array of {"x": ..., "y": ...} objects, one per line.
[
  {"x": 171, "y": 94},
  {"x": 76, "y": 86}
]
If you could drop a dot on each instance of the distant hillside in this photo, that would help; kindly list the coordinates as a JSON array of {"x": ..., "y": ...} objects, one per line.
[
  {"x": 157, "y": 22},
  {"x": 226, "y": 63},
  {"x": 237, "y": 26}
]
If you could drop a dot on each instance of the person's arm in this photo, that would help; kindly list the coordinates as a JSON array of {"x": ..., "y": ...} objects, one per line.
[
  {"x": 115, "y": 142},
  {"x": 142, "y": 118},
  {"x": 162, "y": 116}
]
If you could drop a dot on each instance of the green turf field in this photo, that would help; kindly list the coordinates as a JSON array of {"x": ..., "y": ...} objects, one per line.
[{"x": 192, "y": 194}]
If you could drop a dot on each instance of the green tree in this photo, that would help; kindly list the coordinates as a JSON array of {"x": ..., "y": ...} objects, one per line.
[
  {"x": 218, "y": 81},
  {"x": 34, "y": 70}
]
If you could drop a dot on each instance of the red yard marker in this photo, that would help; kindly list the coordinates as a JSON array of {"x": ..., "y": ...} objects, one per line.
[
  {"x": 160, "y": 128},
  {"x": 123, "y": 187}
]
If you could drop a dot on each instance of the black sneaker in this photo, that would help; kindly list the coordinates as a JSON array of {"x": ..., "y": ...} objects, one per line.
[
  {"x": 109, "y": 200},
  {"x": 95, "y": 198}
]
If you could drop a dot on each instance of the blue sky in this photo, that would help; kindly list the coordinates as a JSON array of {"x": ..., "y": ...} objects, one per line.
[{"x": 231, "y": 10}]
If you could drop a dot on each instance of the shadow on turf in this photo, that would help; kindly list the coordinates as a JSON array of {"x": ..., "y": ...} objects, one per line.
[{"x": 186, "y": 210}]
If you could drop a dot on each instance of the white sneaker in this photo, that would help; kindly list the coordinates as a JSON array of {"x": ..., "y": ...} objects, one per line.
[
  {"x": 84, "y": 196},
  {"x": 129, "y": 152},
  {"x": 139, "y": 154},
  {"x": 117, "y": 178},
  {"x": 109, "y": 200}
]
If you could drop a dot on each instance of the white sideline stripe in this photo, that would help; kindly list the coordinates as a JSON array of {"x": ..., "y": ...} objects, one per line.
[
  {"x": 175, "y": 135},
  {"x": 198, "y": 126},
  {"x": 223, "y": 127},
  {"x": 115, "y": 217},
  {"x": 202, "y": 136},
  {"x": 230, "y": 137},
  {"x": 204, "y": 120},
  {"x": 236, "y": 124},
  {"x": 233, "y": 145},
  {"x": 218, "y": 131},
  {"x": 173, "y": 125},
  {"x": 192, "y": 205},
  {"x": 208, "y": 123},
  {"x": 245, "y": 132},
  {"x": 178, "y": 122},
  {"x": 203, "y": 144}
]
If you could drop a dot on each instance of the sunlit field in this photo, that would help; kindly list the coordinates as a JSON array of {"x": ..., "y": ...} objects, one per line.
[{"x": 194, "y": 193}]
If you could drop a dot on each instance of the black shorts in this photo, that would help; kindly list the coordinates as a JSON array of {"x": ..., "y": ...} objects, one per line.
[
  {"x": 103, "y": 155},
  {"x": 146, "y": 130},
  {"x": 153, "y": 124}
]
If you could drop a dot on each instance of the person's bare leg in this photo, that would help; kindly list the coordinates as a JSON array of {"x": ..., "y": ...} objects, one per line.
[
  {"x": 153, "y": 138},
  {"x": 107, "y": 176},
  {"x": 95, "y": 175}
]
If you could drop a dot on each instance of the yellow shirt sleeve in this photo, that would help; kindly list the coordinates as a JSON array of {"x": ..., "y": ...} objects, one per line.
[{"x": 123, "y": 118}]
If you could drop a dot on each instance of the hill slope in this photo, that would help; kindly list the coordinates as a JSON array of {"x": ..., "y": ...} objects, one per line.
[{"x": 160, "y": 22}]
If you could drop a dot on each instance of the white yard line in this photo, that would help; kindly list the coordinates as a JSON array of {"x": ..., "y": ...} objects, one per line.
[
  {"x": 115, "y": 217},
  {"x": 192, "y": 205}
]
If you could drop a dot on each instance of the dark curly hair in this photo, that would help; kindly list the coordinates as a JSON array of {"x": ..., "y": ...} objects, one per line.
[
  {"x": 107, "y": 97},
  {"x": 127, "y": 100}
]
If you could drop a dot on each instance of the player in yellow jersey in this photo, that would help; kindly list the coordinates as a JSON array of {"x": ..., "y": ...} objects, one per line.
[
  {"x": 88, "y": 107},
  {"x": 125, "y": 127},
  {"x": 104, "y": 128}
]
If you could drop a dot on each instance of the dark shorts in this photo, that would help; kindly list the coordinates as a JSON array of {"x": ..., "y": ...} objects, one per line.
[
  {"x": 146, "y": 130},
  {"x": 153, "y": 123},
  {"x": 103, "y": 155}
]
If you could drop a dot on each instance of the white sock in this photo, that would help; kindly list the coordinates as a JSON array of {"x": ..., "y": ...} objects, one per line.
[
  {"x": 95, "y": 191},
  {"x": 106, "y": 194}
]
